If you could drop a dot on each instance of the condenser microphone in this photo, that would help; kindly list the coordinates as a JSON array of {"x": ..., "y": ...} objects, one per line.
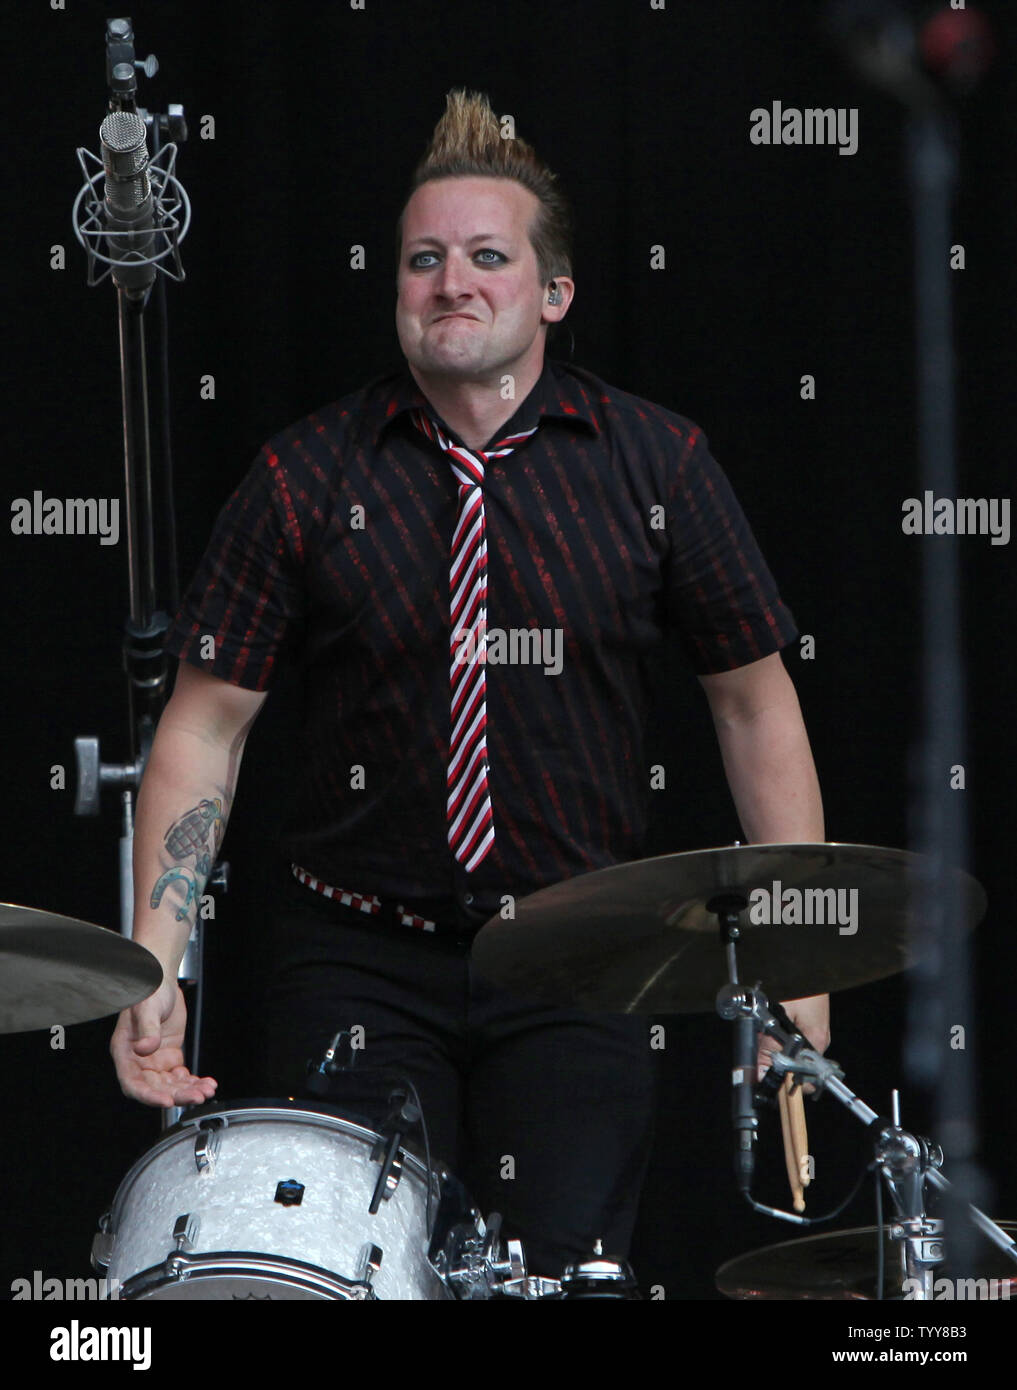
[{"x": 127, "y": 201}]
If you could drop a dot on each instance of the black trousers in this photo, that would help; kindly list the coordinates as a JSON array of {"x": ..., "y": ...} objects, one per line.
[{"x": 544, "y": 1114}]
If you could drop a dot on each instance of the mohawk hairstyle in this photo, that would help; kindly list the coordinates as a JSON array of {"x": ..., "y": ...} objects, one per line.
[{"x": 467, "y": 143}]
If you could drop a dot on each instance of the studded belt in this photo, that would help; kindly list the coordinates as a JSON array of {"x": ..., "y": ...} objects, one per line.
[{"x": 363, "y": 902}]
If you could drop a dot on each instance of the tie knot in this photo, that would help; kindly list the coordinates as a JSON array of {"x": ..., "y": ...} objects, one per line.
[{"x": 468, "y": 463}]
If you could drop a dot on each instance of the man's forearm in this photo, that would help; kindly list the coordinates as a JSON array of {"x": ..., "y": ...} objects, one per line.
[
  {"x": 183, "y": 806},
  {"x": 771, "y": 774}
]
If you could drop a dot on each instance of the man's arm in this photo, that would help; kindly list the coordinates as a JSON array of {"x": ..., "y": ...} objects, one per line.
[
  {"x": 183, "y": 806},
  {"x": 769, "y": 768}
]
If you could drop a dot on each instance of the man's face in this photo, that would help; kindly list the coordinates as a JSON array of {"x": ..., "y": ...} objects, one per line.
[{"x": 470, "y": 300}]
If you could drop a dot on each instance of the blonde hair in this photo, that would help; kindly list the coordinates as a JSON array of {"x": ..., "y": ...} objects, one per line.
[{"x": 468, "y": 143}]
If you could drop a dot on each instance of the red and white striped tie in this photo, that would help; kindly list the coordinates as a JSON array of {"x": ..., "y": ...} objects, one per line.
[{"x": 470, "y": 818}]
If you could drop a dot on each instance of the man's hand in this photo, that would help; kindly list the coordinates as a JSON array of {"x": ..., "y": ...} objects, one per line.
[
  {"x": 811, "y": 1017},
  {"x": 147, "y": 1048}
]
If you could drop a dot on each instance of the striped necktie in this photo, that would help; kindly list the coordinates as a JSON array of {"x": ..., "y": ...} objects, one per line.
[{"x": 470, "y": 818}]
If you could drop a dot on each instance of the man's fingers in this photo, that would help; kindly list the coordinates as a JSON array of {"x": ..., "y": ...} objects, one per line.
[{"x": 167, "y": 1089}]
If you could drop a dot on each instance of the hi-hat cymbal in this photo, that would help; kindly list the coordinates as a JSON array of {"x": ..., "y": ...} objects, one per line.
[
  {"x": 843, "y": 1265},
  {"x": 638, "y": 938},
  {"x": 59, "y": 970}
]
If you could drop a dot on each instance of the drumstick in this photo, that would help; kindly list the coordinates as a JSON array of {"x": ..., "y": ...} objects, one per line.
[
  {"x": 796, "y": 1143},
  {"x": 797, "y": 1195},
  {"x": 800, "y": 1135}
]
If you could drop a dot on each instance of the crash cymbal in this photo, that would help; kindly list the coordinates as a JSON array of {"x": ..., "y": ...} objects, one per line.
[
  {"x": 59, "y": 970},
  {"x": 638, "y": 938},
  {"x": 843, "y": 1264}
]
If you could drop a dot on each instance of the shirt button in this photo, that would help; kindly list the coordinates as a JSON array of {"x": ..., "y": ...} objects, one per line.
[{"x": 468, "y": 899}]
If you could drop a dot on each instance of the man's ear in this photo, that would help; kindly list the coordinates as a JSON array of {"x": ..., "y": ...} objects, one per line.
[{"x": 558, "y": 295}]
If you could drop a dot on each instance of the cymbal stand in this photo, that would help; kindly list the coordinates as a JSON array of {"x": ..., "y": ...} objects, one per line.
[{"x": 907, "y": 1162}]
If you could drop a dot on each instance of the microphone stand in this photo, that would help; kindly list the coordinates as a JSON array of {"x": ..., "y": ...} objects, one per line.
[{"x": 133, "y": 256}]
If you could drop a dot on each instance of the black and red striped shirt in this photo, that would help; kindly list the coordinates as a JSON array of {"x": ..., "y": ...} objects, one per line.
[{"x": 608, "y": 529}]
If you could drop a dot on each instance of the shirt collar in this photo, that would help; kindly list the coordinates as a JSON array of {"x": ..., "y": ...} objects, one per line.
[{"x": 555, "y": 396}]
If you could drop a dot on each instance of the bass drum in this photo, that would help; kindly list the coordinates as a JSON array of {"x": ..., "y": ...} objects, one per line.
[{"x": 270, "y": 1200}]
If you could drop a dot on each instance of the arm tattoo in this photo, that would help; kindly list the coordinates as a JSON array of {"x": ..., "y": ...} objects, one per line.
[{"x": 196, "y": 835}]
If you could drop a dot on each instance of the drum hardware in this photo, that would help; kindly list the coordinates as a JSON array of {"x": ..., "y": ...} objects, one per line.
[
  {"x": 845, "y": 1265},
  {"x": 641, "y": 938},
  {"x": 206, "y": 1149},
  {"x": 371, "y": 1264},
  {"x": 241, "y": 1276},
  {"x": 599, "y": 1278},
  {"x": 185, "y": 1231},
  {"x": 102, "y": 1245},
  {"x": 908, "y": 1163},
  {"x": 475, "y": 1265}
]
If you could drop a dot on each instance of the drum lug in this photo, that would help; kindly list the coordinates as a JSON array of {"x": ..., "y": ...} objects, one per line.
[
  {"x": 102, "y": 1244},
  {"x": 185, "y": 1231},
  {"x": 206, "y": 1149},
  {"x": 371, "y": 1263}
]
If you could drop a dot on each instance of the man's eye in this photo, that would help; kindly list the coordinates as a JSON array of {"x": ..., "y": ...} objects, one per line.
[{"x": 488, "y": 252}]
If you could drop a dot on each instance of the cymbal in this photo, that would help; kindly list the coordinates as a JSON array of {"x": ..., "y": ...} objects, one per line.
[
  {"x": 58, "y": 970},
  {"x": 637, "y": 938},
  {"x": 842, "y": 1265}
]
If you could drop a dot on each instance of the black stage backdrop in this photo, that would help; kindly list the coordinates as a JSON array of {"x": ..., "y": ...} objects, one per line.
[{"x": 781, "y": 262}]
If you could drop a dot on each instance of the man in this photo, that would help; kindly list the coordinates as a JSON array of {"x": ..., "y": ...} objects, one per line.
[{"x": 406, "y": 544}]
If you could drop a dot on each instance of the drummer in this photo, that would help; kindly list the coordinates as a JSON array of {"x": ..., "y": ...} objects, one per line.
[{"x": 443, "y": 519}]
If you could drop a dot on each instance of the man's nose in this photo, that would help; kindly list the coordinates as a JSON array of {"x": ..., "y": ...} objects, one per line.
[{"x": 454, "y": 278}]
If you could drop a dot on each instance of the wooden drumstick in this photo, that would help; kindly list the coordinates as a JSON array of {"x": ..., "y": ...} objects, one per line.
[
  {"x": 796, "y": 1141},
  {"x": 797, "y": 1195},
  {"x": 800, "y": 1135}
]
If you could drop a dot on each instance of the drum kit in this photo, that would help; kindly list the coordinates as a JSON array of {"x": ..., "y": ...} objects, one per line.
[{"x": 282, "y": 1199}]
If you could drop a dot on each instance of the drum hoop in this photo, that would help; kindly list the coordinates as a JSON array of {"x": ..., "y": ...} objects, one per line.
[{"x": 180, "y": 1268}]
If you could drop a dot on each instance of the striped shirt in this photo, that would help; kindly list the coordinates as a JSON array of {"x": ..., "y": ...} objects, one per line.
[{"x": 608, "y": 530}]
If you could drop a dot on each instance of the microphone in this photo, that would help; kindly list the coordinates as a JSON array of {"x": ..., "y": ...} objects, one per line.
[
  {"x": 127, "y": 200},
  {"x": 403, "y": 1114},
  {"x": 731, "y": 1000},
  {"x": 743, "y": 1109},
  {"x": 320, "y": 1074},
  {"x": 134, "y": 225}
]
